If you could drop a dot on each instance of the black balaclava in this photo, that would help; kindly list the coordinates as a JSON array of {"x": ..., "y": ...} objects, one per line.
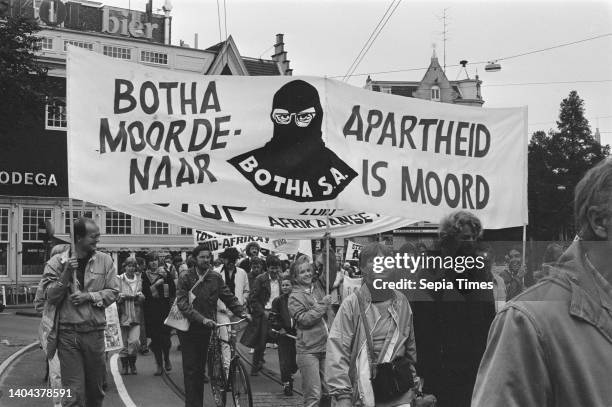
[{"x": 295, "y": 97}]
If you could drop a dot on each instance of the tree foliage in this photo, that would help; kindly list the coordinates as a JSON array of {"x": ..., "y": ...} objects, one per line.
[
  {"x": 557, "y": 161},
  {"x": 24, "y": 84}
]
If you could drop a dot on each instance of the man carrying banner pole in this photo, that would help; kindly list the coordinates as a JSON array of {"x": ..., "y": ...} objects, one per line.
[{"x": 81, "y": 317}]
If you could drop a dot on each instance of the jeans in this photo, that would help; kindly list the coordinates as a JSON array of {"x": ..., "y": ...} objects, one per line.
[
  {"x": 194, "y": 348},
  {"x": 131, "y": 340},
  {"x": 55, "y": 377},
  {"x": 312, "y": 368},
  {"x": 82, "y": 366}
]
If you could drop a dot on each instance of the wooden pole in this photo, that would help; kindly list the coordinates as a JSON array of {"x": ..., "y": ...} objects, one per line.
[
  {"x": 75, "y": 281},
  {"x": 327, "y": 285}
]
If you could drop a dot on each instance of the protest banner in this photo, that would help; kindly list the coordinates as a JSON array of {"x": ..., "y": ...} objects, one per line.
[
  {"x": 283, "y": 144},
  {"x": 112, "y": 332},
  {"x": 352, "y": 250},
  {"x": 217, "y": 243}
]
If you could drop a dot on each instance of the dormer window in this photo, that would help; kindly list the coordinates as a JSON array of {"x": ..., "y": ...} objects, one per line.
[{"x": 435, "y": 93}]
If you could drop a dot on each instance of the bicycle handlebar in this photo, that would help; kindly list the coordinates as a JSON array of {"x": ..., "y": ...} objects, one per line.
[{"x": 231, "y": 323}]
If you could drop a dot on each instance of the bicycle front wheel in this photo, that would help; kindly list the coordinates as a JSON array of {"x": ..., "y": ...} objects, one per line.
[
  {"x": 240, "y": 384},
  {"x": 218, "y": 382}
]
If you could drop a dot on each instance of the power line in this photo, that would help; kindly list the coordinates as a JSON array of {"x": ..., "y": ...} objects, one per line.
[
  {"x": 546, "y": 83},
  {"x": 368, "y": 40},
  {"x": 555, "y": 46},
  {"x": 487, "y": 61},
  {"x": 375, "y": 37}
]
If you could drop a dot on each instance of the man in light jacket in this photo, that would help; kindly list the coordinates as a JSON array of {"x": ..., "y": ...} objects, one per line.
[
  {"x": 552, "y": 345},
  {"x": 81, "y": 287}
]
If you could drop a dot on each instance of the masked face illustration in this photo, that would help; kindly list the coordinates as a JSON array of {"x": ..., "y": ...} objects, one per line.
[
  {"x": 297, "y": 115},
  {"x": 295, "y": 164}
]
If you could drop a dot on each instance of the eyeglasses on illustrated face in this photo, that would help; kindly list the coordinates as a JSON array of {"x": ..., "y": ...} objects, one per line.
[{"x": 302, "y": 119}]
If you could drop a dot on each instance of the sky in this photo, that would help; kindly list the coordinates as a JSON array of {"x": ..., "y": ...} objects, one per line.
[{"x": 323, "y": 37}]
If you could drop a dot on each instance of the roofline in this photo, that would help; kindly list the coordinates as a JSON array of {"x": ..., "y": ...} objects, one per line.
[{"x": 116, "y": 37}]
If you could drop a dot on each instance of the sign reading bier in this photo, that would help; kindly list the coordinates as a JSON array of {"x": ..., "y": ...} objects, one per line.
[{"x": 127, "y": 23}]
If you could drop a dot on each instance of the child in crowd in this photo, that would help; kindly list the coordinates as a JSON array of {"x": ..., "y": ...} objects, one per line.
[
  {"x": 281, "y": 321},
  {"x": 130, "y": 309}
]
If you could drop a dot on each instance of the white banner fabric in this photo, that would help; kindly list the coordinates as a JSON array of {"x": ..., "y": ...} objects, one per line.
[{"x": 141, "y": 135}]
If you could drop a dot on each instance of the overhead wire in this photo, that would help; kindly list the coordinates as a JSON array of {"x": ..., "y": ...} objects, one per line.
[
  {"x": 348, "y": 71},
  {"x": 375, "y": 37},
  {"x": 487, "y": 61}
]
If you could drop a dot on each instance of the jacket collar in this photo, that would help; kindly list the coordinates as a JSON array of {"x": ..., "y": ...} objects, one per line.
[
  {"x": 364, "y": 292},
  {"x": 589, "y": 301}
]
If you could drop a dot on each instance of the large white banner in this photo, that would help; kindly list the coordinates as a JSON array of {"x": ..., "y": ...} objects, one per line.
[{"x": 139, "y": 135}]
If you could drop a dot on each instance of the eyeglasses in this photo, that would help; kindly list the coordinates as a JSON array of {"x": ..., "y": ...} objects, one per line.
[{"x": 302, "y": 119}]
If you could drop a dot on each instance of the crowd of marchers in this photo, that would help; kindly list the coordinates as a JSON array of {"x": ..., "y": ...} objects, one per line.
[{"x": 548, "y": 344}]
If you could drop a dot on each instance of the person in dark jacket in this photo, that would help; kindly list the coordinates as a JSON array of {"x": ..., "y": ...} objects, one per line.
[
  {"x": 199, "y": 289},
  {"x": 159, "y": 290},
  {"x": 281, "y": 321},
  {"x": 451, "y": 325},
  {"x": 256, "y": 334}
]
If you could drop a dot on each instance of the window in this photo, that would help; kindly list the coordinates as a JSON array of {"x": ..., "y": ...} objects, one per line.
[
  {"x": 152, "y": 227},
  {"x": 44, "y": 43},
  {"x": 154, "y": 57},
  {"x": 33, "y": 222},
  {"x": 75, "y": 216},
  {"x": 117, "y": 52},
  {"x": 4, "y": 235},
  {"x": 186, "y": 231},
  {"x": 118, "y": 223},
  {"x": 32, "y": 247},
  {"x": 435, "y": 93},
  {"x": 55, "y": 115},
  {"x": 80, "y": 44}
]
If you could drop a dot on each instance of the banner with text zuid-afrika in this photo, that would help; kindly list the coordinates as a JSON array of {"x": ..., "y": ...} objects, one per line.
[{"x": 142, "y": 135}]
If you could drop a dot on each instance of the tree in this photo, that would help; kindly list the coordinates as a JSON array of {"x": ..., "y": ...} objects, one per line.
[
  {"x": 24, "y": 84},
  {"x": 557, "y": 161}
]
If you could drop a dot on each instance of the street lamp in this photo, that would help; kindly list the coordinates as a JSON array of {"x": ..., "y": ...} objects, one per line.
[{"x": 492, "y": 66}]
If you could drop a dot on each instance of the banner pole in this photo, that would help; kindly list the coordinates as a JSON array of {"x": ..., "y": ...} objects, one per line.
[
  {"x": 524, "y": 242},
  {"x": 72, "y": 248},
  {"x": 327, "y": 285}
]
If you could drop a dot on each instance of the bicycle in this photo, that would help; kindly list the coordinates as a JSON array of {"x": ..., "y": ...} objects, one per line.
[{"x": 236, "y": 381}]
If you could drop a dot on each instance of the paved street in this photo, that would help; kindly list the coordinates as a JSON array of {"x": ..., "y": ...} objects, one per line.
[{"x": 143, "y": 389}]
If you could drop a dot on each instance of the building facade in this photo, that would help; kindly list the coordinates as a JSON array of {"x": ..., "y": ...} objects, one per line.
[
  {"x": 33, "y": 171},
  {"x": 434, "y": 86}
]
